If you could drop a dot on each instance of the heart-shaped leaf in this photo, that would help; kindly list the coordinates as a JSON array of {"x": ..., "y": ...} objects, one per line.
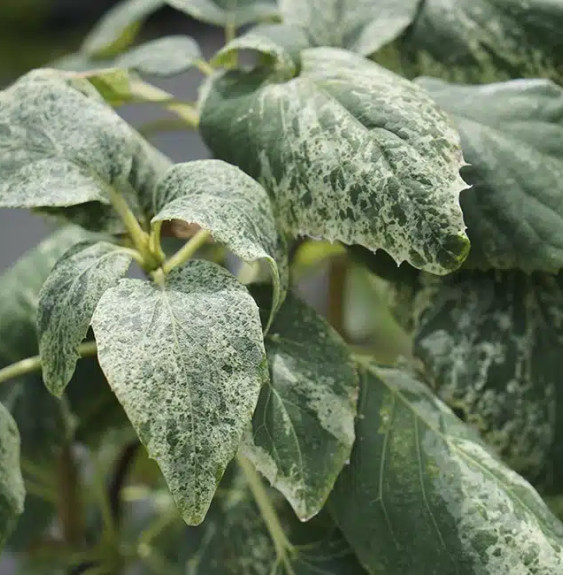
[
  {"x": 186, "y": 360},
  {"x": 349, "y": 151}
]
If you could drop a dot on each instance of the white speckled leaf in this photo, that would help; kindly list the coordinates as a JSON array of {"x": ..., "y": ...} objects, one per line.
[
  {"x": 278, "y": 45},
  {"x": 232, "y": 206},
  {"x": 349, "y": 151},
  {"x": 361, "y": 26},
  {"x": 12, "y": 493},
  {"x": 42, "y": 420},
  {"x": 489, "y": 343},
  {"x": 119, "y": 27},
  {"x": 67, "y": 302},
  {"x": 512, "y": 138},
  {"x": 422, "y": 490},
  {"x": 58, "y": 147},
  {"x": 163, "y": 57},
  {"x": 187, "y": 362},
  {"x": 19, "y": 293},
  {"x": 303, "y": 427},
  {"x": 223, "y": 12},
  {"x": 61, "y": 146},
  {"x": 488, "y": 40}
]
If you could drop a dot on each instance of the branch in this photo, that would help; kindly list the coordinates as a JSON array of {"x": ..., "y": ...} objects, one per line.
[{"x": 32, "y": 364}]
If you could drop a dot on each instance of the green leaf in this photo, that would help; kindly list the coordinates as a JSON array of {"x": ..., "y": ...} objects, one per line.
[
  {"x": 423, "y": 491},
  {"x": 512, "y": 138},
  {"x": 278, "y": 46},
  {"x": 186, "y": 360},
  {"x": 119, "y": 27},
  {"x": 58, "y": 146},
  {"x": 67, "y": 302},
  {"x": 163, "y": 57},
  {"x": 490, "y": 346},
  {"x": 42, "y": 420},
  {"x": 236, "y": 542},
  {"x": 350, "y": 152},
  {"x": 362, "y": 26},
  {"x": 303, "y": 427},
  {"x": 227, "y": 12},
  {"x": 19, "y": 293},
  {"x": 12, "y": 492},
  {"x": 488, "y": 40},
  {"x": 233, "y": 207}
]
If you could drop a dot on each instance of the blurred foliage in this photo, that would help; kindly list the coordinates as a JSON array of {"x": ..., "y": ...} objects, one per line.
[{"x": 29, "y": 38}]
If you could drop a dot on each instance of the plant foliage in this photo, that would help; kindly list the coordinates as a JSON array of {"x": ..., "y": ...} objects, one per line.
[{"x": 206, "y": 420}]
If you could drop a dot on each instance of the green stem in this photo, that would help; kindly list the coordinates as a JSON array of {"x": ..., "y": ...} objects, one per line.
[
  {"x": 32, "y": 364},
  {"x": 230, "y": 31},
  {"x": 187, "y": 251},
  {"x": 151, "y": 93},
  {"x": 205, "y": 67},
  {"x": 275, "y": 529},
  {"x": 139, "y": 237}
]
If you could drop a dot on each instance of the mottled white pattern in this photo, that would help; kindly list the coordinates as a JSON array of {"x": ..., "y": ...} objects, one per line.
[
  {"x": 349, "y": 151},
  {"x": 489, "y": 343},
  {"x": 303, "y": 427},
  {"x": 488, "y": 40},
  {"x": 186, "y": 361},
  {"x": 166, "y": 56},
  {"x": 233, "y": 207},
  {"x": 67, "y": 302},
  {"x": 12, "y": 491},
  {"x": 423, "y": 490}
]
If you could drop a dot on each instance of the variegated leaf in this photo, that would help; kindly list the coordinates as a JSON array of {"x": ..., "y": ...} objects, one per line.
[
  {"x": 12, "y": 492},
  {"x": 303, "y": 427},
  {"x": 227, "y": 12},
  {"x": 232, "y": 206},
  {"x": 349, "y": 151},
  {"x": 512, "y": 138},
  {"x": 423, "y": 490},
  {"x": 361, "y": 26},
  {"x": 61, "y": 146},
  {"x": 119, "y": 27},
  {"x": 67, "y": 302},
  {"x": 490, "y": 345},
  {"x": 186, "y": 360},
  {"x": 488, "y": 40}
]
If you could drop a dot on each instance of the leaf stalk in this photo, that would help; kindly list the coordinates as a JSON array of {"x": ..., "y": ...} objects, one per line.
[{"x": 33, "y": 364}]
